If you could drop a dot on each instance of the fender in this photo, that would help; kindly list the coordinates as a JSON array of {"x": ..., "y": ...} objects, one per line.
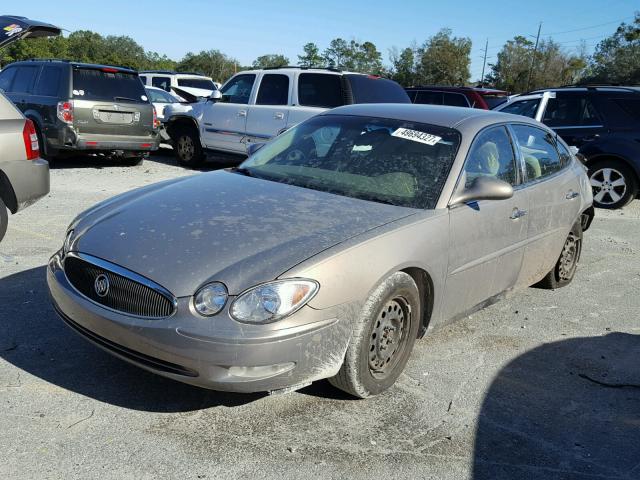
[{"x": 622, "y": 149}]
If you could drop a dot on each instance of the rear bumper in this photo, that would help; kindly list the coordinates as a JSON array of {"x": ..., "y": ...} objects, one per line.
[
  {"x": 29, "y": 180},
  {"x": 68, "y": 139}
]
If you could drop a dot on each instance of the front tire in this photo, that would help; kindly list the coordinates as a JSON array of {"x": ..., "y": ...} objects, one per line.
[
  {"x": 614, "y": 184},
  {"x": 565, "y": 268},
  {"x": 382, "y": 338},
  {"x": 4, "y": 219},
  {"x": 188, "y": 148}
]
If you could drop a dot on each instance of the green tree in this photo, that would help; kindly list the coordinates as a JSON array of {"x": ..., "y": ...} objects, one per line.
[
  {"x": 337, "y": 54},
  {"x": 617, "y": 58},
  {"x": 311, "y": 57},
  {"x": 270, "y": 61},
  {"x": 403, "y": 68},
  {"x": 444, "y": 60},
  {"x": 212, "y": 63}
]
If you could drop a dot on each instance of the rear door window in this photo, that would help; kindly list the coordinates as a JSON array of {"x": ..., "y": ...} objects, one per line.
[
  {"x": 527, "y": 108},
  {"x": 274, "y": 90},
  {"x": 428, "y": 97},
  {"x": 49, "y": 81},
  {"x": 539, "y": 151},
  {"x": 6, "y": 79},
  {"x": 162, "y": 82},
  {"x": 454, "y": 99},
  {"x": 107, "y": 85},
  {"x": 25, "y": 79},
  {"x": 238, "y": 89},
  {"x": 320, "y": 90},
  {"x": 571, "y": 111}
]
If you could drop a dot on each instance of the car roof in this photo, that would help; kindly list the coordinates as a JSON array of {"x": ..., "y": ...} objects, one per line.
[
  {"x": 444, "y": 116},
  {"x": 73, "y": 64},
  {"x": 585, "y": 88},
  {"x": 331, "y": 71}
]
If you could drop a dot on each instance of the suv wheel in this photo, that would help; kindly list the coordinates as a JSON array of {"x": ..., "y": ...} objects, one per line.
[
  {"x": 188, "y": 148},
  {"x": 133, "y": 159},
  {"x": 4, "y": 219},
  {"x": 614, "y": 184}
]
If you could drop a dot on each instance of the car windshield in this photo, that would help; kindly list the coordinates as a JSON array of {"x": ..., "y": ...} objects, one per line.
[
  {"x": 107, "y": 84},
  {"x": 383, "y": 160}
]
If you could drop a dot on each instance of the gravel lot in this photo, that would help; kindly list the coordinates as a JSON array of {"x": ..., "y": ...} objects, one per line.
[{"x": 542, "y": 385}]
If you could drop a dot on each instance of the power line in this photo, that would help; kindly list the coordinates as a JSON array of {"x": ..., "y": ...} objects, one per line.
[{"x": 591, "y": 26}]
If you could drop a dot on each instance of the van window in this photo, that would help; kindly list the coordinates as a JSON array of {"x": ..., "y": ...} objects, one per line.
[
  {"x": 24, "y": 79},
  {"x": 49, "y": 81},
  {"x": 319, "y": 90},
  {"x": 274, "y": 90},
  {"x": 6, "y": 79},
  {"x": 162, "y": 82}
]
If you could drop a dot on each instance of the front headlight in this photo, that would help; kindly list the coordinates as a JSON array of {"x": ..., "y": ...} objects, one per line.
[
  {"x": 273, "y": 301},
  {"x": 210, "y": 299}
]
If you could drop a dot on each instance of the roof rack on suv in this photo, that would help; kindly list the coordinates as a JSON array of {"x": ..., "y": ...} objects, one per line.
[
  {"x": 331, "y": 69},
  {"x": 589, "y": 86},
  {"x": 173, "y": 72},
  {"x": 66, "y": 60},
  {"x": 47, "y": 60}
]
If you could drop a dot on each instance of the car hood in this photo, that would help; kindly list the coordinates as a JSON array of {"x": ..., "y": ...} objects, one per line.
[
  {"x": 15, "y": 28},
  {"x": 222, "y": 226}
]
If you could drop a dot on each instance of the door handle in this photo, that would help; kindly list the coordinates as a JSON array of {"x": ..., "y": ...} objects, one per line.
[
  {"x": 279, "y": 116},
  {"x": 242, "y": 113},
  {"x": 571, "y": 195},
  {"x": 517, "y": 213}
]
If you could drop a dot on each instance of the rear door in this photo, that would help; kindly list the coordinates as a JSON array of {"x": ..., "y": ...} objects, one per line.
[
  {"x": 110, "y": 101},
  {"x": 225, "y": 122},
  {"x": 487, "y": 237},
  {"x": 574, "y": 117},
  {"x": 554, "y": 199},
  {"x": 270, "y": 113}
]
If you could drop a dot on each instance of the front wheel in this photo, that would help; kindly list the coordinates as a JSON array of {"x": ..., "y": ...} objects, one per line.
[
  {"x": 614, "y": 184},
  {"x": 188, "y": 148},
  {"x": 565, "y": 268},
  {"x": 382, "y": 338},
  {"x": 4, "y": 219}
]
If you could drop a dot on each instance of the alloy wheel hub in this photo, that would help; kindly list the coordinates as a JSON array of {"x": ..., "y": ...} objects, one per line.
[{"x": 608, "y": 185}]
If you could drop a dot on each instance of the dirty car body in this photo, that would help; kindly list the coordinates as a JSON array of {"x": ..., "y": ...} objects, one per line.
[{"x": 290, "y": 247}]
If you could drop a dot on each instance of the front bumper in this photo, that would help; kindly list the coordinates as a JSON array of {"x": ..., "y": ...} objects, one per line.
[{"x": 216, "y": 352}]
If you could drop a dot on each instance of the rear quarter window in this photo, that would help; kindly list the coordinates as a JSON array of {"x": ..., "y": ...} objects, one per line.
[
  {"x": 320, "y": 90},
  {"x": 370, "y": 89}
]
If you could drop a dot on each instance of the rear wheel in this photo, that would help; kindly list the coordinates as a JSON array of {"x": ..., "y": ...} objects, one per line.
[
  {"x": 382, "y": 338},
  {"x": 188, "y": 148},
  {"x": 614, "y": 184},
  {"x": 133, "y": 159},
  {"x": 565, "y": 268},
  {"x": 4, "y": 219}
]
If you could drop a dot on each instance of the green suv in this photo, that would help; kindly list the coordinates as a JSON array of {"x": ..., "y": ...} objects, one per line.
[{"x": 78, "y": 107}]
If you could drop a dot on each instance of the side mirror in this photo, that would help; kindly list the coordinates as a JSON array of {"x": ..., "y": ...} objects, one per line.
[
  {"x": 215, "y": 96},
  {"x": 254, "y": 147},
  {"x": 483, "y": 188}
]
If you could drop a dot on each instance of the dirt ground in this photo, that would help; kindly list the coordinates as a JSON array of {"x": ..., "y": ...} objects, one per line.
[{"x": 544, "y": 385}]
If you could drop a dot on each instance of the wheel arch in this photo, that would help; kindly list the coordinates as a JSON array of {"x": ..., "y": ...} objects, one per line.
[
  {"x": 635, "y": 168},
  {"x": 176, "y": 122},
  {"x": 7, "y": 193},
  {"x": 425, "y": 286}
]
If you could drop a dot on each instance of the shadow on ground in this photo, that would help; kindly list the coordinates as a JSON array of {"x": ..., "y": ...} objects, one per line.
[
  {"x": 35, "y": 340},
  {"x": 565, "y": 410}
]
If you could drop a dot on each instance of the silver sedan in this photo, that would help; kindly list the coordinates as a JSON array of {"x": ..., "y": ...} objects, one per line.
[{"x": 329, "y": 251}]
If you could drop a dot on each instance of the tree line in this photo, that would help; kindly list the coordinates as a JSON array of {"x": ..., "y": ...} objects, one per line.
[{"x": 443, "y": 59}]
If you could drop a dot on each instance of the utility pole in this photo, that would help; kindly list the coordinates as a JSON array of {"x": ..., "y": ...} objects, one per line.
[
  {"x": 484, "y": 62},
  {"x": 533, "y": 57}
]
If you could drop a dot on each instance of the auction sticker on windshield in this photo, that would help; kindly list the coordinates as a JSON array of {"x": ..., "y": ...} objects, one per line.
[{"x": 416, "y": 136}]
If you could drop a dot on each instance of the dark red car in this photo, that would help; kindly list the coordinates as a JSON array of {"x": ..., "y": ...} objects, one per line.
[{"x": 474, "y": 97}]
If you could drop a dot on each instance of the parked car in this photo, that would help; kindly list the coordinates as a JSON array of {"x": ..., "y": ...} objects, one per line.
[
  {"x": 474, "y": 97},
  {"x": 603, "y": 123},
  {"x": 79, "y": 107},
  {"x": 329, "y": 251},
  {"x": 160, "y": 99},
  {"x": 256, "y": 105},
  {"x": 192, "y": 83},
  {"x": 24, "y": 176}
]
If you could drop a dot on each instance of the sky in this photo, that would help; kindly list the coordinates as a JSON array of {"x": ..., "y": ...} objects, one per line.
[{"x": 249, "y": 28}]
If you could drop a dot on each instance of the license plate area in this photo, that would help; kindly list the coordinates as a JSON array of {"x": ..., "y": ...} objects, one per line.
[{"x": 113, "y": 117}]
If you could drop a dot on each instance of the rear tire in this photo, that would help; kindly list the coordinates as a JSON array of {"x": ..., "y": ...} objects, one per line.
[
  {"x": 4, "y": 219},
  {"x": 133, "y": 160},
  {"x": 186, "y": 144},
  {"x": 382, "y": 338},
  {"x": 614, "y": 184},
  {"x": 565, "y": 268}
]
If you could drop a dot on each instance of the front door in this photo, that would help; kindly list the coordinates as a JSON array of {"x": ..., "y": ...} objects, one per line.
[
  {"x": 224, "y": 122},
  {"x": 488, "y": 236}
]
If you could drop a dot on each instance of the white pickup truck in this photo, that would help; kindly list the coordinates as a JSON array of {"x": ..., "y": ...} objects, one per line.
[{"x": 256, "y": 105}]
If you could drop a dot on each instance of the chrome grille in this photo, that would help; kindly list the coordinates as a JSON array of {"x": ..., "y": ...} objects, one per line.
[{"x": 127, "y": 292}]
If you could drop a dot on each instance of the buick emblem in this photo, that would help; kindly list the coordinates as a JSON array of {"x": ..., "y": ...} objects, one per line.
[{"x": 101, "y": 285}]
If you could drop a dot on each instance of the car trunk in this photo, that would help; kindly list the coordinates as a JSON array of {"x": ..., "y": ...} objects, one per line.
[{"x": 109, "y": 101}]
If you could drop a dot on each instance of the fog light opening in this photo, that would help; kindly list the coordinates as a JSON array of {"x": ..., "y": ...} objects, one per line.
[{"x": 264, "y": 371}]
